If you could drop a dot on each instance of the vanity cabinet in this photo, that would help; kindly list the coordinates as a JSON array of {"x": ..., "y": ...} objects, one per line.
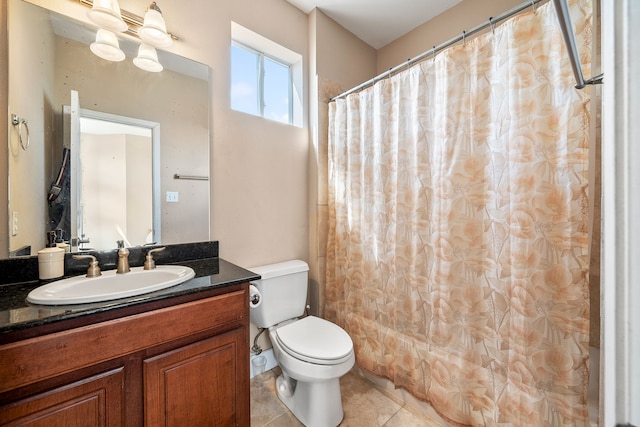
[
  {"x": 207, "y": 370},
  {"x": 174, "y": 365}
]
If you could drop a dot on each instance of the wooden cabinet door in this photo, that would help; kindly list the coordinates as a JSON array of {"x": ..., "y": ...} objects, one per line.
[
  {"x": 201, "y": 384},
  {"x": 94, "y": 401}
]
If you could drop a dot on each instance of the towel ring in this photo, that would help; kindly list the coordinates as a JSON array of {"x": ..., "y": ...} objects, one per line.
[{"x": 17, "y": 121}]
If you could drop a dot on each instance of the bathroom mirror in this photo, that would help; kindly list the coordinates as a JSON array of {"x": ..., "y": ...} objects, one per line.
[{"x": 49, "y": 56}]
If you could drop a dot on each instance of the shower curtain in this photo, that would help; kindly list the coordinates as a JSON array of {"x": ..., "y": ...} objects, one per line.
[{"x": 457, "y": 254}]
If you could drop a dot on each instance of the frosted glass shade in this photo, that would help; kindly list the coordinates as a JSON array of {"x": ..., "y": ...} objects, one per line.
[
  {"x": 106, "y": 46},
  {"x": 147, "y": 59},
  {"x": 154, "y": 30},
  {"x": 106, "y": 14}
]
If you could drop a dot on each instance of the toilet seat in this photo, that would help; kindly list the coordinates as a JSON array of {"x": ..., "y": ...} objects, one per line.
[{"x": 315, "y": 340}]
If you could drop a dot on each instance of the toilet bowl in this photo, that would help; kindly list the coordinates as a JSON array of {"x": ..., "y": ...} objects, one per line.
[
  {"x": 312, "y": 365},
  {"x": 313, "y": 353}
]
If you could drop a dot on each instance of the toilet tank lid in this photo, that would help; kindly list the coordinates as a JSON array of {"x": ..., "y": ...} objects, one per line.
[{"x": 280, "y": 269}]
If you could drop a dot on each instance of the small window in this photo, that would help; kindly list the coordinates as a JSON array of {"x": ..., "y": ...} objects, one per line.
[
  {"x": 266, "y": 78},
  {"x": 260, "y": 85}
]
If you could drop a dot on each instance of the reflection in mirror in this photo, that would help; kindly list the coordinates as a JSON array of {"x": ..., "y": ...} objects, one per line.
[
  {"x": 112, "y": 186},
  {"x": 48, "y": 57}
]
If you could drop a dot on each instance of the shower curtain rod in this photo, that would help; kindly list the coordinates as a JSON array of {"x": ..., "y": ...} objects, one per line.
[
  {"x": 565, "y": 25},
  {"x": 564, "y": 19}
]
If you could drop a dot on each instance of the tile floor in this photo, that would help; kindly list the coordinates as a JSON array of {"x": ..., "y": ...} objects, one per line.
[{"x": 363, "y": 402}]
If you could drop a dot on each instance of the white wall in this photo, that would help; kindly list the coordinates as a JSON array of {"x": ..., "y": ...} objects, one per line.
[
  {"x": 139, "y": 189},
  {"x": 116, "y": 188},
  {"x": 104, "y": 173},
  {"x": 621, "y": 209}
]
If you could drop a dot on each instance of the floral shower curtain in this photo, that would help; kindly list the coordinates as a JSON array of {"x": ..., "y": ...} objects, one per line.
[{"x": 457, "y": 253}]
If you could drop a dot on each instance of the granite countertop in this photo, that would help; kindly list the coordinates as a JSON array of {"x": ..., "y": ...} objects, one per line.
[{"x": 17, "y": 314}]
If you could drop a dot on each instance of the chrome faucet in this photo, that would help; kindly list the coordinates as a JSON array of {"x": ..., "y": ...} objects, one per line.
[{"x": 123, "y": 258}]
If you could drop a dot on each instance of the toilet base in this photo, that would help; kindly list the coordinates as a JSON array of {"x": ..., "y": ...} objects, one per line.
[{"x": 314, "y": 404}]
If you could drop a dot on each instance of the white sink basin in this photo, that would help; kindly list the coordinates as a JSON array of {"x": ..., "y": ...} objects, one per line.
[{"x": 108, "y": 286}]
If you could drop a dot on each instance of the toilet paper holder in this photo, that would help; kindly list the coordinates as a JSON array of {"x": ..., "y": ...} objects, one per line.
[{"x": 255, "y": 298}]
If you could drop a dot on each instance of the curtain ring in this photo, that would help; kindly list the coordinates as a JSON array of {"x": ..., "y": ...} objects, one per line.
[
  {"x": 17, "y": 121},
  {"x": 434, "y": 52},
  {"x": 533, "y": 5},
  {"x": 493, "y": 29},
  {"x": 464, "y": 39}
]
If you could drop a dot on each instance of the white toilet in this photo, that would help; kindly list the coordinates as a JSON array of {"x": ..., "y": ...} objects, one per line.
[{"x": 313, "y": 353}]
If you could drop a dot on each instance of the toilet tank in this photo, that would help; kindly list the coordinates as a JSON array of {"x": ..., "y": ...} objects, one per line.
[{"x": 283, "y": 287}]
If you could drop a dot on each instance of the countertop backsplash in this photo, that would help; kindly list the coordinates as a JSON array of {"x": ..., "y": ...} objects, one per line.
[{"x": 25, "y": 269}]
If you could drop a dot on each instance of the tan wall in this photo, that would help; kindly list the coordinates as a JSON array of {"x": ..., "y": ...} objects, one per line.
[
  {"x": 28, "y": 178},
  {"x": 258, "y": 167},
  {"x": 447, "y": 25},
  {"x": 4, "y": 129},
  {"x": 342, "y": 61},
  {"x": 340, "y": 56}
]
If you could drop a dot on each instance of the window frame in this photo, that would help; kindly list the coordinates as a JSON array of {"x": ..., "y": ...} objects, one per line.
[
  {"x": 298, "y": 81},
  {"x": 260, "y": 83}
]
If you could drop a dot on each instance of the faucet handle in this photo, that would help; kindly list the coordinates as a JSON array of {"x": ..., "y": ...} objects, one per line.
[
  {"x": 94, "y": 269},
  {"x": 149, "y": 263}
]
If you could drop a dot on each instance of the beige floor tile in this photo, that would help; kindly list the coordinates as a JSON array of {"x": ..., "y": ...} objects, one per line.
[
  {"x": 363, "y": 402},
  {"x": 406, "y": 418},
  {"x": 285, "y": 420},
  {"x": 265, "y": 405}
]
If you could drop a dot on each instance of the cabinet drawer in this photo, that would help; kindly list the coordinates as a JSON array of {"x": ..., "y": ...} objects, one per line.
[
  {"x": 97, "y": 400},
  {"x": 28, "y": 361}
]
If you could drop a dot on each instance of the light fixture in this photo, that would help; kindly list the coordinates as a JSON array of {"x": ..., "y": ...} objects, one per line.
[
  {"x": 154, "y": 29},
  {"x": 106, "y": 46},
  {"x": 106, "y": 14},
  {"x": 147, "y": 59}
]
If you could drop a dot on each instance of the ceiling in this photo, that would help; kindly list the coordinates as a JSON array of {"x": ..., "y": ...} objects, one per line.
[{"x": 378, "y": 22}]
